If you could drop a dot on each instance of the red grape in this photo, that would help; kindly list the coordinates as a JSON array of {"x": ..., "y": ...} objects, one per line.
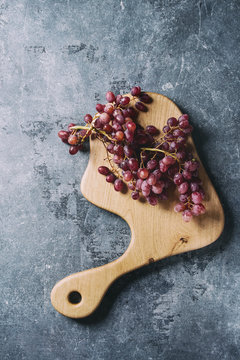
[
  {"x": 127, "y": 175},
  {"x": 72, "y": 139},
  {"x": 99, "y": 108},
  {"x": 136, "y": 90},
  {"x": 124, "y": 100},
  {"x": 118, "y": 185},
  {"x": 104, "y": 170},
  {"x": 135, "y": 195},
  {"x": 140, "y": 106},
  {"x": 88, "y": 118},
  {"x": 111, "y": 178},
  {"x": 63, "y": 135},
  {"x": 179, "y": 207},
  {"x": 110, "y": 97},
  {"x": 73, "y": 149}
]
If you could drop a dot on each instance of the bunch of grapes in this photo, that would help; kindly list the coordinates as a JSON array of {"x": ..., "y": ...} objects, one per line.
[{"x": 148, "y": 161}]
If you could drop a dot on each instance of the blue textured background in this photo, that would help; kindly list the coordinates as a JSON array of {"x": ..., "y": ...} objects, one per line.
[{"x": 57, "y": 59}]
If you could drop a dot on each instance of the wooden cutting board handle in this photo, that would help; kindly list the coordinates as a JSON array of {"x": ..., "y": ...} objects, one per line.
[{"x": 92, "y": 284}]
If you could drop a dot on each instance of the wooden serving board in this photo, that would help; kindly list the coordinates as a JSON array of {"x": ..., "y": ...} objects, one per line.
[{"x": 157, "y": 231}]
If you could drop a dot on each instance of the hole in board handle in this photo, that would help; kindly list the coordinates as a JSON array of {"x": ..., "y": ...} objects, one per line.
[{"x": 74, "y": 297}]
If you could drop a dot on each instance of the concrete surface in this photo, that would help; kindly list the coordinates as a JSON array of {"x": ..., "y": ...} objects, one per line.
[{"x": 57, "y": 59}]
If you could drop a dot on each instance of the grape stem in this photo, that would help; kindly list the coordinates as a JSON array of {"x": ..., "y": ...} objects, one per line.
[{"x": 162, "y": 151}]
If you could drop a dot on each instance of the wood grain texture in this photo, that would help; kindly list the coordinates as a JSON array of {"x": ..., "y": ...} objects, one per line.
[{"x": 157, "y": 231}]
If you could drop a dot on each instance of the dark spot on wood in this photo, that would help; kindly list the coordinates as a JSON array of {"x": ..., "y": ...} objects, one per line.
[
  {"x": 183, "y": 240},
  {"x": 151, "y": 260}
]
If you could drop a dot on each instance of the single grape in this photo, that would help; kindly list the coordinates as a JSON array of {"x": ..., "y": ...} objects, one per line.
[
  {"x": 181, "y": 155},
  {"x": 172, "y": 121},
  {"x": 125, "y": 112},
  {"x": 73, "y": 149},
  {"x": 133, "y": 164},
  {"x": 183, "y": 188},
  {"x": 191, "y": 165},
  {"x": 165, "y": 146},
  {"x": 183, "y": 117},
  {"x": 183, "y": 124},
  {"x": 118, "y": 149},
  {"x": 188, "y": 130},
  {"x": 118, "y": 99},
  {"x": 117, "y": 112},
  {"x": 173, "y": 146},
  {"x": 118, "y": 185},
  {"x": 187, "y": 174},
  {"x": 104, "y": 118},
  {"x": 88, "y": 118},
  {"x": 152, "y": 164},
  {"x": 196, "y": 197},
  {"x": 124, "y": 165},
  {"x": 131, "y": 126},
  {"x": 187, "y": 215},
  {"x": 111, "y": 178},
  {"x": 139, "y": 184},
  {"x": 177, "y": 133},
  {"x": 124, "y": 100},
  {"x": 99, "y": 108},
  {"x": 129, "y": 136},
  {"x": 198, "y": 209},
  {"x": 194, "y": 186},
  {"x": 168, "y": 160},
  {"x": 152, "y": 130},
  {"x": 131, "y": 186},
  {"x": 110, "y": 148},
  {"x": 166, "y": 129},
  {"x": 140, "y": 106},
  {"x": 110, "y": 97},
  {"x": 98, "y": 124},
  {"x": 117, "y": 159},
  {"x": 158, "y": 187},
  {"x": 157, "y": 173},
  {"x": 152, "y": 179},
  {"x": 136, "y": 90},
  {"x": 178, "y": 179},
  {"x": 127, "y": 175},
  {"x": 119, "y": 135},
  {"x": 163, "y": 167},
  {"x": 152, "y": 199},
  {"x": 104, "y": 170},
  {"x": 145, "y": 186},
  {"x": 120, "y": 119},
  {"x": 117, "y": 127},
  {"x": 135, "y": 195},
  {"x": 143, "y": 173},
  {"x": 128, "y": 150},
  {"x": 107, "y": 128},
  {"x": 72, "y": 139},
  {"x": 145, "y": 98},
  {"x": 181, "y": 140},
  {"x": 109, "y": 109},
  {"x": 179, "y": 207},
  {"x": 63, "y": 134}
]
